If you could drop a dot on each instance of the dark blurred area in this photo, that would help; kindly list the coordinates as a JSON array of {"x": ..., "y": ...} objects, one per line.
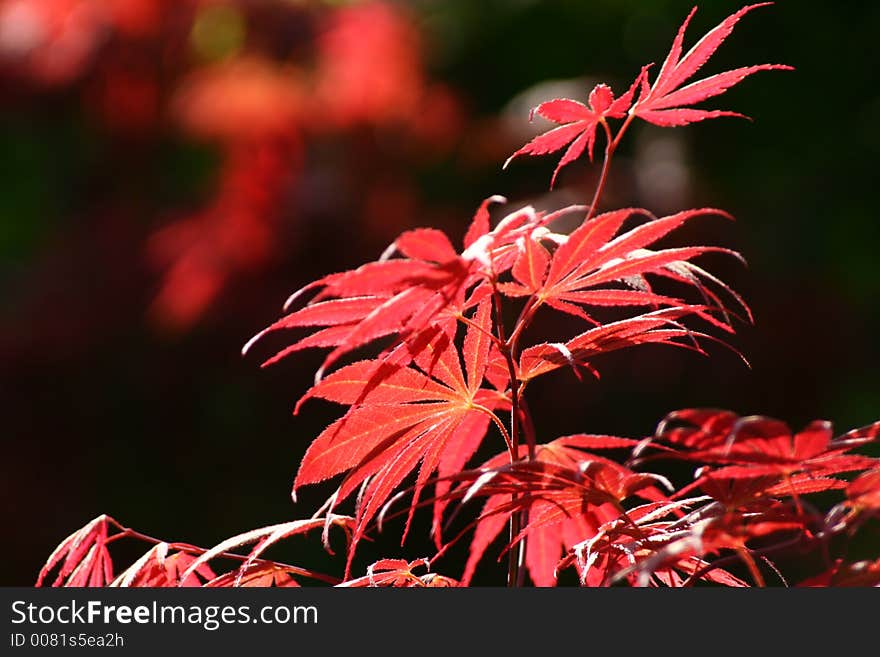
[{"x": 173, "y": 169}]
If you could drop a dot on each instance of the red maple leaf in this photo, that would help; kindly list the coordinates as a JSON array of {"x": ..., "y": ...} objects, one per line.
[
  {"x": 577, "y": 124},
  {"x": 432, "y": 416},
  {"x": 600, "y": 265},
  {"x": 756, "y": 446},
  {"x": 621, "y": 548},
  {"x": 657, "y": 327},
  {"x": 83, "y": 556},
  {"x": 596, "y": 267},
  {"x": 85, "y": 559},
  {"x": 158, "y": 568},
  {"x": 667, "y": 103},
  {"x": 568, "y": 493},
  {"x": 413, "y": 297},
  {"x": 678, "y": 546}
]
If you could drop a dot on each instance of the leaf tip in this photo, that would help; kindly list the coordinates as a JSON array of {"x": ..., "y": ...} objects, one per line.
[
  {"x": 388, "y": 252},
  {"x": 296, "y": 295},
  {"x": 250, "y": 343}
]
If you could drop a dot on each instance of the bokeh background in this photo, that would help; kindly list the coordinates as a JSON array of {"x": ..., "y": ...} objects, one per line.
[{"x": 172, "y": 169}]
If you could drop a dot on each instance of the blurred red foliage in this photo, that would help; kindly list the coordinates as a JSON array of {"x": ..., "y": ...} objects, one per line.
[{"x": 264, "y": 84}]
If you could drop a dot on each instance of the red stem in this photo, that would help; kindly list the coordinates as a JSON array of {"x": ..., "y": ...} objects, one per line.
[
  {"x": 519, "y": 412},
  {"x": 517, "y": 553},
  {"x": 611, "y": 143}
]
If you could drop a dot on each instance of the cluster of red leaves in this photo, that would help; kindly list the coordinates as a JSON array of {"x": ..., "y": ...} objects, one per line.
[
  {"x": 83, "y": 559},
  {"x": 746, "y": 500},
  {"x": 746, "y": 510},
  {"x": 582, "y": 508},
  {"x": 450, "y": 377},
  {"x": 414, "y": 406},
  {"x": 432, "y": 285}
]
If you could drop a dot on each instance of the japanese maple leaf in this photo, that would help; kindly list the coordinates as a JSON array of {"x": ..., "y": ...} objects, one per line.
[
  {"x": 755, "y": 493},
  {"x": 668, "y": 103},
  {"x": 725, "y": 532},
  {"x": 83, "y": 557},
  {"x": 158, "y": 568},
  {"x": 568, "y": 492},
  {"x": 598, "y": 265},
  {"x": 649, "y": 548},
  {"x": 656, "y": 327},
  {"x": 577, "y": 124},
  {"x": 618, "y": 548},
  {"x": 665, "y": 103},
  {"x": 694, "y": 429},
  {"x": 412, "y": 297},
  {"x": 756, "y": 446},
  {"x": 431, "y": 417}
]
